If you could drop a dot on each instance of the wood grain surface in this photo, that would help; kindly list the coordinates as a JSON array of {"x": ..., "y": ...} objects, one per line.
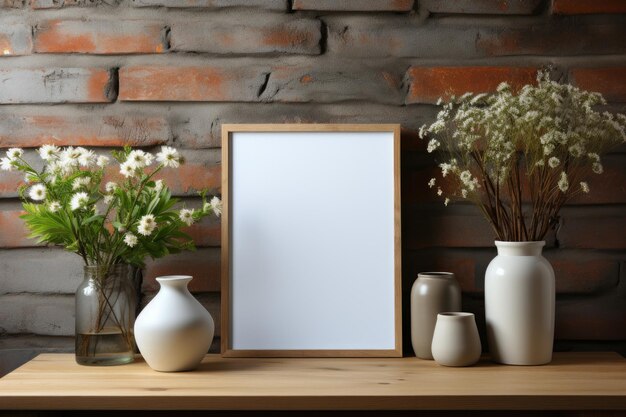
[{"x": 573, "y": 381}]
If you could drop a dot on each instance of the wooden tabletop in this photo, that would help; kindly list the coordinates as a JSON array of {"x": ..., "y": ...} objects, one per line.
[{"x": 573, "y": 381}]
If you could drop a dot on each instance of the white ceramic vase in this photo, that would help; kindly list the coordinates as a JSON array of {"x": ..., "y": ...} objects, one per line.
[
  {"x": 519, "y": 304},
  {"x": 456, "y": 341},
  {"x": 174, "y": 331}
]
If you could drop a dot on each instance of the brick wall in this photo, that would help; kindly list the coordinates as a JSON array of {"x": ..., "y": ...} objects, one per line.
[{"x": 103, "y": 73}]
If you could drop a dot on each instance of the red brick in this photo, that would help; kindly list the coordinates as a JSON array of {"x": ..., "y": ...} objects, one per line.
[
  {"x": 15, "y": 39},
  {"x": 192, "y": 177},
  {"x": 588, "y": 6},
  {"x": 427, "y": 84},
  {"x": 481, "y": 6},
  {"x": 14, "y": 232},
  {"x": 354, "y": 5},
  {"x": 207, "y": 83},
  {"x": 100, "y": 37},
  {"x": 59, "y": 4},
  {"x": 593, "y": 227},
  {"x": 579, "y": 272},
  {"x": 71, "y": 130},
  {"x": 203, "y": 265},
  {"x": 610, "y": 81},
  {"x": 57, "y": 85},
  {"x": 279, "y": 5},
  {"x": 461, "y": 263},
  {"x": 267, "y": 34}
]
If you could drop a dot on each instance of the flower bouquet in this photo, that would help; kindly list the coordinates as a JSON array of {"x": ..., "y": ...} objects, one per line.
[{"x": 111, "y": 225}]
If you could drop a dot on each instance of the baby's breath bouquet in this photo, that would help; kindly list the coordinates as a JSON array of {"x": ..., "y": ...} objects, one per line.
[
  {"x": 537, "y": 146},
  {"x": 74, "y": 201}
]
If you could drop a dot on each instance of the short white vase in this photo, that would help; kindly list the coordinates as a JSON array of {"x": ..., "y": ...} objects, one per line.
[
  {"x": 456, "y": 341},
  {"x": 519, "y": 304},
  {"x": 174, "y": 331}
]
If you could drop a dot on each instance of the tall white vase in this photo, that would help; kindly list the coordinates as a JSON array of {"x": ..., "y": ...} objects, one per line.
[
  {"x": 519, "y": 304},
  {"x": 174, "y": 331}
]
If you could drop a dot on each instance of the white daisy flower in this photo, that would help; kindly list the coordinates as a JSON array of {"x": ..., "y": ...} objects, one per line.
[
  {"x": 86, "y": 157},
  {"x": 48, "y": 152},
  {"x": 14, "y": 153},
  {"x": 139, "y": 159},
  {"x": 563, "y": 182},
  {"x": 80, "y": 182},
  {"x": 79, "y": 200},
  {"x": 108, "y": 199},
  {"x": 54, "y": 206},
  {"x": 584, "y": 187},
  {"x": 110, "y": 186},
  {"x": 102, "y": 161},
  {"x": 6, "y": 164},
  {"x": 158, "y": 186},
  {"x": 130, "y": 239},
  {"x": 553, "y": 162},
  {"x": 127, "y": 170},
  {"x": 69, "y": 158},
  {"x": 216, "y": 205},
  {"x": 169, "y": 157},
  {"x": 147, "y": 224},
  {"x": 37, "y": 192},
  {"x": 186, "y": 216}
]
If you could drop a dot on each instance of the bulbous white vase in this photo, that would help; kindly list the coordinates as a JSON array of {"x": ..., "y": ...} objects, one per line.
[
  {"x": 519, "y": 304},
  {"x": 174, "y": 331}
]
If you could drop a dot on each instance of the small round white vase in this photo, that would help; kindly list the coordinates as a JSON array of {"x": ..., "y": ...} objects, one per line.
[
  {"x": 456, "y": 341},
  {"x": 174, "y": 331},
  {"x": 519, "y": 304}
]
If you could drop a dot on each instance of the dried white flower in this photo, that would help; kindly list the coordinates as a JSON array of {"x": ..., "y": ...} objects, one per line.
[
  {"x": 584, "y": 187},
  {"x": 48, "y": 152},
  {"x": 465, "y": 176},
  {"x": 563, "y": 182},
  {"x": 169, "y": 157},
  {"x": 433, "y": 145},
  {"x": 431, "y": 183},
  {"x": 130, "y": 239},
  {"x": 439, "y": 191},
  {"x": 597, "y": 168},
  {"x": 147, "y": 224},
  {"x": 79, "y": 200},
  {"x": 186, "y": 216},
  {"x": 553, "y": 162},
  {"x": 37, "y": 192},
  {"x": 446, "y": 202},
  {"x": 464, "y": 193}
]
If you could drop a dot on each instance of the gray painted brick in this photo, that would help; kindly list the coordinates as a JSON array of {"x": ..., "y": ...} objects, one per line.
[
  {"x": 15, "y": 38},
  {"x": 51, "y": 315},
  {"x": 56, "y": 85},
  {"x": 248, "y": 34},
  {"x": 39, "y": 271},
  {"x": 280, "y": 5}
]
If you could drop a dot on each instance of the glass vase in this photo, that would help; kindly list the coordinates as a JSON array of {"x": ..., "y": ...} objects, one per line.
[{"x": 105, "y": 315}]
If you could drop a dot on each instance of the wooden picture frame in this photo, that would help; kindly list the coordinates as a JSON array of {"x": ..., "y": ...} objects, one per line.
[{"x": 262, "y": 154}]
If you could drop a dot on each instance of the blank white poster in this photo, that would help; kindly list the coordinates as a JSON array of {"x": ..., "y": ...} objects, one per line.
[{"x": 312, "y": 240}]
